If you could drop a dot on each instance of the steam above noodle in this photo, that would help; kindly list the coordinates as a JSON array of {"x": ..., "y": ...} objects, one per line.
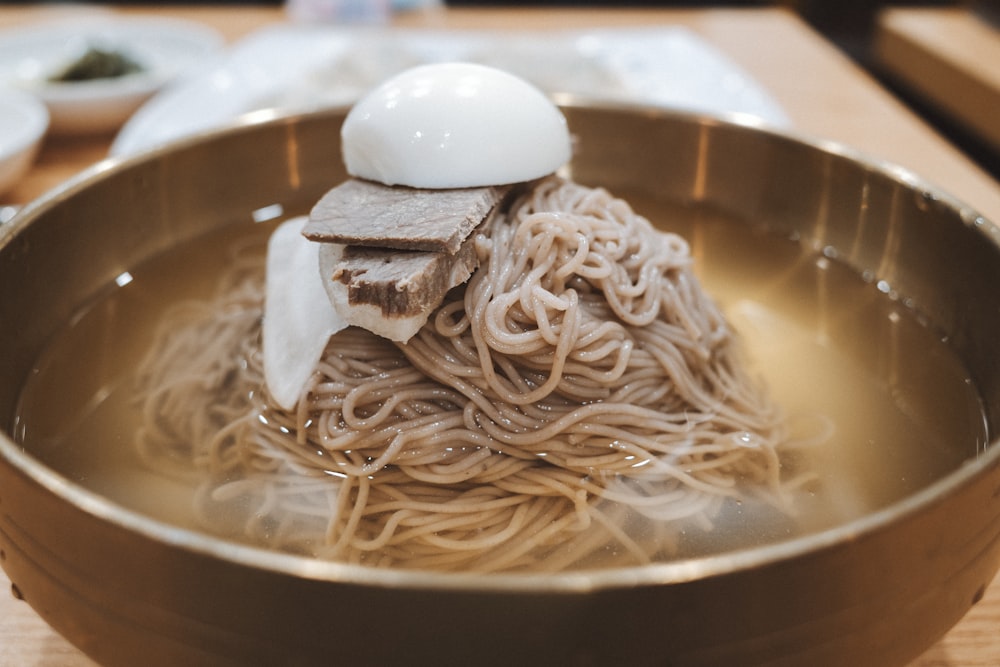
[{"x": 579, "y": 402}]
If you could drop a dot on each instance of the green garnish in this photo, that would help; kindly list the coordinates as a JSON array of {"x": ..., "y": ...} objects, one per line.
[{"x": 98, "y": 64}]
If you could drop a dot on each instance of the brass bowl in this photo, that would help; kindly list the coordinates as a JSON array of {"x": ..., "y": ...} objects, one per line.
[{"x": 129, "y": 590}]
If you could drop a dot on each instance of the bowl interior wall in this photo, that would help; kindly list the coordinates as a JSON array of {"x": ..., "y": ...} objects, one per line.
[
  {"x": 917, "y": 244},
  {"x": 905, "y": 237}
]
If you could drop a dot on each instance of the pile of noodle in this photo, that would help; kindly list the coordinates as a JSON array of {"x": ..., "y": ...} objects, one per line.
[{"x": 580, "y": 401}]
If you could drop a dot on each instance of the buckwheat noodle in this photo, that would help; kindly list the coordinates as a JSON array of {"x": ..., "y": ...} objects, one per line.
[{"x": 580, "y": 402}]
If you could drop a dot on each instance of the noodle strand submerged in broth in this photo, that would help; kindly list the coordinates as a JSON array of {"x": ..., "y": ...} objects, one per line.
[{"x": 580, "y": 402}]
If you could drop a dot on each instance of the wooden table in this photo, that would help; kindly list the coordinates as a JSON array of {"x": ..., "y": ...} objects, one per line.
[
  {"x": 948, "y": 56},
  {"x": 821, "y": 90}
]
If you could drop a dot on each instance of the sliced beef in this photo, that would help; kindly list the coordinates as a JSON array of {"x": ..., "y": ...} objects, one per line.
[
  {"x": 364, "y": 213},
  {"x": 400, "y": 283}
]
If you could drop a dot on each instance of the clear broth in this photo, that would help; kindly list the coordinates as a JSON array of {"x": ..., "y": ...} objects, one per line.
[{"x": 825, "y": 341}]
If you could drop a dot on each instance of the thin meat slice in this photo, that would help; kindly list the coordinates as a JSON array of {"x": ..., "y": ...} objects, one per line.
[
  {"x": 364, "y": 213},
  {"x": 391, "y": 292}
]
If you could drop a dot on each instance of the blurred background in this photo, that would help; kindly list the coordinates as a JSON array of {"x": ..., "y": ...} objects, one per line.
[{"x": 851, "y": 25}]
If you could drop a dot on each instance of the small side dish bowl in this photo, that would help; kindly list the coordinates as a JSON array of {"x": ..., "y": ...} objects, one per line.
[
  {"x": 23, "y": 123},
  {"x": 875, "y": 591},
  {"x": 32, "y": 58}
]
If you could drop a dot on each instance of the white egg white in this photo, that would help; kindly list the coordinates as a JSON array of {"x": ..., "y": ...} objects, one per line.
[{"x": 454, "y": 125}]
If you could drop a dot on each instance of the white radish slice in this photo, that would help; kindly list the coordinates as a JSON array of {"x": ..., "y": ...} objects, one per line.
[{"x": 298, "y": 316}]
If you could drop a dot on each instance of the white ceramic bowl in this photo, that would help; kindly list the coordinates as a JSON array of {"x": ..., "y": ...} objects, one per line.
[
  {"x": 166, "y": 50},
  {"x": 23, "y": 122}
]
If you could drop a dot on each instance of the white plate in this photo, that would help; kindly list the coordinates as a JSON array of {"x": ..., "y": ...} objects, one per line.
[
  {"x": 166, "y": 49},
  {"x": 23, "y": 122},
  {"x": 296, "y": 68}
]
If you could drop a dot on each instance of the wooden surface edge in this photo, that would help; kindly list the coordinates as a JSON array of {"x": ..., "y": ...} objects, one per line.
[{"x": 949, "y": 57}]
